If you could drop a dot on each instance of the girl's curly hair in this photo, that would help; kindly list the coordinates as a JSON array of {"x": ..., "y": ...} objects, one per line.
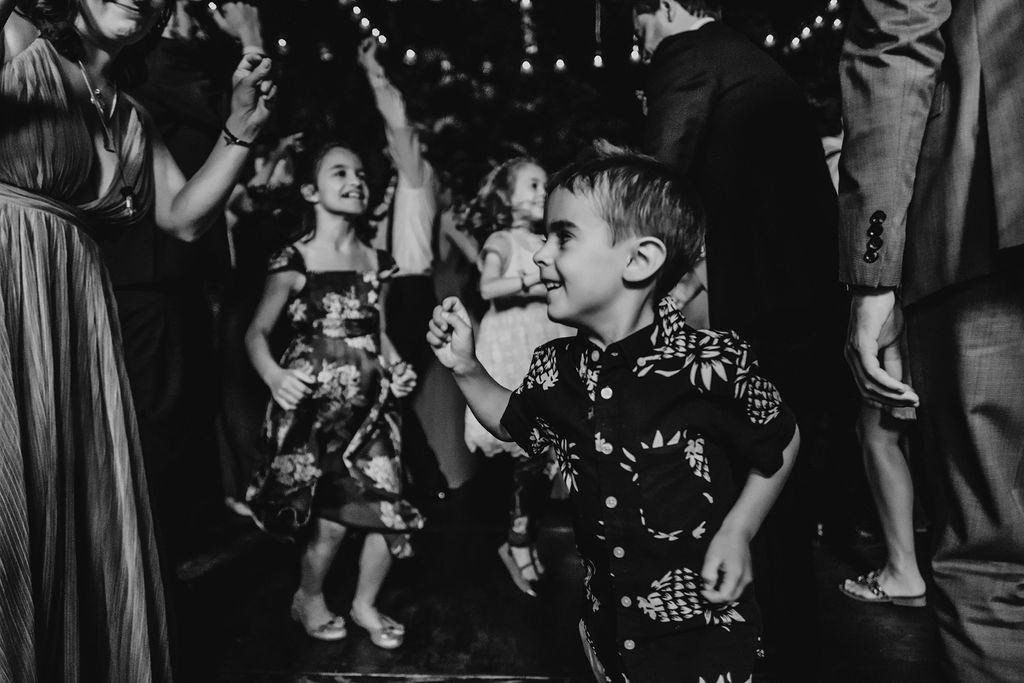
[
  {"x": 55, "y": 20},
  {"x": 491, "y": 209}
]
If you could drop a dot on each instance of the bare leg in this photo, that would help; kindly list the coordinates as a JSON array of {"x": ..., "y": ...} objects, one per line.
[
  {"x": 316, "y": 562},
  {"x": 374, "y": 563},
  {"x": 893, "y": 493}
]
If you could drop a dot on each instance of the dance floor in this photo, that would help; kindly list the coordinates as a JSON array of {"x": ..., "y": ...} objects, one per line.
[{"x": 466, "y": 621}]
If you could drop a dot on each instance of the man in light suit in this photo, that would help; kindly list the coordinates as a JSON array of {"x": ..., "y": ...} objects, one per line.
[{"x": 932, "y": 228}]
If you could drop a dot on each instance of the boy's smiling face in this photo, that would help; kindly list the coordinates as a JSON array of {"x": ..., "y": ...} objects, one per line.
[{"x": 580, "y": 266}]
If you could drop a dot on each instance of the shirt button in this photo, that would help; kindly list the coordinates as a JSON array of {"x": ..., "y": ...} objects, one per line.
[
  {"x": 610, "y": 502},
  {"x": 618, "y": 552},
  {"x": 606, "y": 392},
  {"x": 628, "y": 644},
  {"x": 595, "y": 355},
  {"x": 625, "y": 601},
  {"x": 607, "y": 448}
]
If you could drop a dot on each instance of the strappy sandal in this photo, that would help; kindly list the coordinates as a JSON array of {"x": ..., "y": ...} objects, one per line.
[
  {"x": 869, "y": 582},
  {"x": 389, "y": 636},
  {"x": 515, "y": 569},
  {"x": 330, "y": 630}
]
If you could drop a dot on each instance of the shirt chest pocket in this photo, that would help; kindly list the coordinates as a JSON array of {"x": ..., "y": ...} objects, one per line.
[{"x": 674, "y": 482}]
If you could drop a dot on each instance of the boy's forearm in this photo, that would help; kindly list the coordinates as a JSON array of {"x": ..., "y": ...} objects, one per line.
[
  {"x": 759, "y": 494},
  {"x": 485, "y": 397}
]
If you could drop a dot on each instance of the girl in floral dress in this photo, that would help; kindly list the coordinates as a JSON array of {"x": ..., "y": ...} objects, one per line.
[
  {"x": 332, "y": 429},
  {"x": 507, "y": 218}
]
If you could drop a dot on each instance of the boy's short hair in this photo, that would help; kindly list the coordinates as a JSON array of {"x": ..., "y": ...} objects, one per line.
[
  {"x": 698, "y": 8},
  {"x": 638, "y": 195}
]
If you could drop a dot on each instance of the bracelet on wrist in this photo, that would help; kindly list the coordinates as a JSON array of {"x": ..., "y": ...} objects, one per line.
[{"x": 233, "y": 139}]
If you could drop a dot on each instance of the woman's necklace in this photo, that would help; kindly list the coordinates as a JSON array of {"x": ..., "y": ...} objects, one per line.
[{"x": 96, "y": 99}]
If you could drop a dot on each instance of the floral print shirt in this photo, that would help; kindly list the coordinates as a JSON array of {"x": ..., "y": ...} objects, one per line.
[{"x": 654, "y": 436}]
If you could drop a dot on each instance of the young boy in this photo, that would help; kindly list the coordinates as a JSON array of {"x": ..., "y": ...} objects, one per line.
[{"x": 652, "y": 422}]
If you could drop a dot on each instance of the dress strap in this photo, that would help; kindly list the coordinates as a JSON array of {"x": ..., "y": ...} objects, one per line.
[{"x": 287, "y": 258}]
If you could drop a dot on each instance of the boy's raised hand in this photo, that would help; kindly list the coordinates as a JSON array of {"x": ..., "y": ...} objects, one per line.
[
  {"x": 727, "y": 567},
  {"x": 450, "y": 335}
]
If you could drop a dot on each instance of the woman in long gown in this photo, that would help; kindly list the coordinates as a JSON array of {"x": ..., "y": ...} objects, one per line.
[{"x": 81, "y": 597}]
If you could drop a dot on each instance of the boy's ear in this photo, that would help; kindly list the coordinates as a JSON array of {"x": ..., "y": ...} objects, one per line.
[
  {"x": 645, "y": 260},
  {"x": 309, "y": 193}
]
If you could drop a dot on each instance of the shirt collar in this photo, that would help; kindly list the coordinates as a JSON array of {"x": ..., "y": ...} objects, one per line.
[
  {"x": 700, "y": 22},
  {"x": 669, "y": 321}
]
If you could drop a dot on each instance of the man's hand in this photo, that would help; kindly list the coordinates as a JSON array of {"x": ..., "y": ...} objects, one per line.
[
  {"x": 727, "y": 567},
  {"x": 241, "y": 21},
  {"x": 451, "y": 337},
  {"x": 873, "y": 351},
  {"x": 366, "y": 55}
]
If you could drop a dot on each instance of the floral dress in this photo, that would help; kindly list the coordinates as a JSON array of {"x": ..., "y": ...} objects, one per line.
[{"x": 335, "y": 456}]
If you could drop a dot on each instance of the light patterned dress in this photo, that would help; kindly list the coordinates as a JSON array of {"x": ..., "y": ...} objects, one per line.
[
  {"x": 335, "y": 456},
  {"x": 510, "y": 330}
]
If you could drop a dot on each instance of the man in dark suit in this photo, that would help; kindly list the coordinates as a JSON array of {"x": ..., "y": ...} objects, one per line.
[
  {"x": 932, "y": 206},
  {"x": 740, "y": 131}
]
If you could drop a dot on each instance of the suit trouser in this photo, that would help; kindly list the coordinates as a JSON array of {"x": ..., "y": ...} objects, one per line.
[{"x": 967, "y": 362}]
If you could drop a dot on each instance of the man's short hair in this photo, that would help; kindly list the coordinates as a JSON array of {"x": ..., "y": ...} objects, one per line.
[
  {"x": 638, "y": 195},
  {"x": 698, "y": 8}
]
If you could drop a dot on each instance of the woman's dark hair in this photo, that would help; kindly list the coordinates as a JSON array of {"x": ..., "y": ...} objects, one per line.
[
  {"x": 698, "y": 8},
  {"x": 55, "y": 20},
  {"x": 307, "y": 167},
  {"x": 491, "y": 209}
]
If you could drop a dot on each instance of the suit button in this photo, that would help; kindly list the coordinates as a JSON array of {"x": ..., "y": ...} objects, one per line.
[
  {"x": 870, "y": 256},
  {"x": 618, "y": 552},
  {"x": 625, "y": 601},
  {"x": 875, "y": 230},
  {"x": 875, "y": 243},
  {"x": 606, "y": 393},
  {"x": 610, "y": 502},
  {"x": 878, "y": 217},
  {"x": 628, "y": 644}
]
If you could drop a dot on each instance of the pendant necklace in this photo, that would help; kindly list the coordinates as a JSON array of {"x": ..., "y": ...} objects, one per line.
[{"x": 96, "y": 99}]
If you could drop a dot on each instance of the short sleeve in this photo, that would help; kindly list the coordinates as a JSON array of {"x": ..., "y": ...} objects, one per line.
[
  {"x": 286, "y": 259},
  {"x": 386, "y": 266},
  {"x": 755, "y": 423},
  {"x": 498, "y": 243},
  {"x": 520, "y": 418}
]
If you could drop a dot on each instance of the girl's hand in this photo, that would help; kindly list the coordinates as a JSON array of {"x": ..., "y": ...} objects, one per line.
[
  {"x": 450, "y": 335},
  {"x": 289, "y": 386},
  {"x": 252, "y": 96},
  {"x": 727, "y": 567},
  {"x": 403, "y": 379}
]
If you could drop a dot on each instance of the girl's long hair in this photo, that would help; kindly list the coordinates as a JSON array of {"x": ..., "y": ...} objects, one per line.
[
  {"x": 307, "y": 167},
  {"x": 491, "y": 209},
  {"x": 55, "y": 20}
]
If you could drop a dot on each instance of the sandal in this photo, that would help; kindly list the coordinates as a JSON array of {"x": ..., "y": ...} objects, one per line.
[
  {"x": 389, "y": 636},
  {"x": 332, "y": 629},
  {"x": 869, "y": 582},
  {"x": 515, "y": 569}
]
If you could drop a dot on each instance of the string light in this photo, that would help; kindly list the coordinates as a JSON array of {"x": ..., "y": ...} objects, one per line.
[
  {"x": 806, "y": 32},
  {"x": 382, "y": 39},
  {"x": 375, "y": 32},
  {"x": 837, "y": 24},
  {"x": 819, "y": 21},
  {"x": 794, "y": 44},
  {"x": 769, "y": 40},
  {"x": 598, "y": 60},
  {"x": 634, "y": 56},
  {"x": 526, "y": 67},
  {"x": 282, "y": 46},
  {"x": 357, "y": 10},
  {"x": 560, "y": 65},
  {"x": 326, "y": 55},
  {"x": 364, "y": 22},
  {"x": 410, "y": 57}
]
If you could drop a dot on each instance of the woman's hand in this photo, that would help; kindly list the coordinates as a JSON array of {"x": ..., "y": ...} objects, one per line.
[
  {"x": 403, "y": 379},
  {"x": 289, "y": 386},
  {"x": 252, "y": 96}
]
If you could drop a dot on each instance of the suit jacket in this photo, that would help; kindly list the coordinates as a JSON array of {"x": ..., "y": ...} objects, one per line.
[
  {"x": 932, "y": 176},
  {"x": 739, "y": 129}
]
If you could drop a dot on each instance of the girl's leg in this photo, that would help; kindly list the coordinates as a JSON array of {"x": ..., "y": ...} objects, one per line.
[
  {"x": 893, "y": 491},
  {"x": 531, "y": 487},
  {"x": 374, "y": 563},
  {"x": 316, "y": 561}
]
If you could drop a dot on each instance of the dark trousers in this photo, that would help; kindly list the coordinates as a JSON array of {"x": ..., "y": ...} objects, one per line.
[
  {"x": 407, "y": 309},
  {"x": 967, "y": 363}
]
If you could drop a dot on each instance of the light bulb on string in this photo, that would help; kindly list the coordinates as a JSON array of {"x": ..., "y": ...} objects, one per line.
[
  {"x": 364, "y": 22},
  {"x": 282, "y": 46},
  {"x": 486, "y": 67},
  {"x": 560, "y": 65},
  {"x": 794, "y": 44},
  {"x": 598, "y": 60},
  {"x": 357, "y": 10},
  {"x": 819, "y": 21},
  {"x": 769, "y": 40},
  {"x": 833, "y": 5},
  {"x": 326, "y": 55},
  {"x": 837, "y": 24},
  {"x": 212, "y": 6},
  {"x": 526, "y": 67},
  {"x": 526, "y": 4},
  {"x": 375, "y": 32},
  {"x": 634, "y": 56},
  {"x": 410, "y": 56},
  {"x": 382, "y": 39},
  {"x": 805, "y": 33}
]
